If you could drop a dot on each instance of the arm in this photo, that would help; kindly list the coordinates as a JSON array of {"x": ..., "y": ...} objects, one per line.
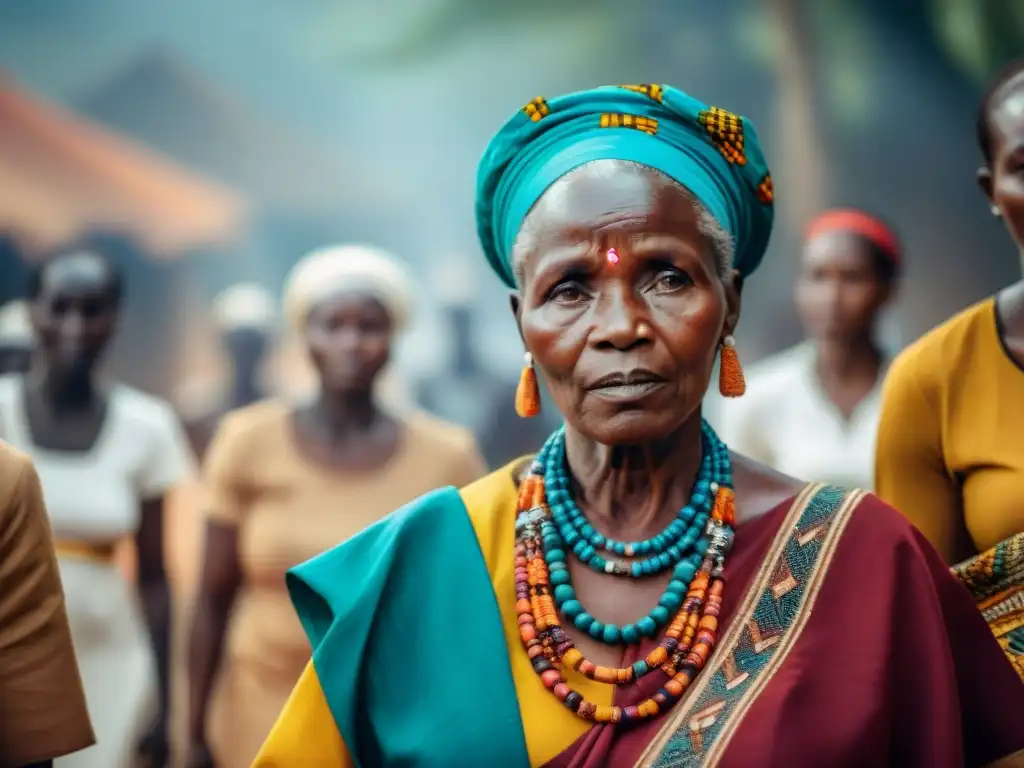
[
  {"x": 43, "y": 712},
  {"x": 155, "y": 595},
  {"x": 218, "y": 586},
  {"x": 220, "y": 575},
  {"x": 168, "y": 462},
  {"x": 305, "y": 735},
  {"x": 910, "y": 469}
]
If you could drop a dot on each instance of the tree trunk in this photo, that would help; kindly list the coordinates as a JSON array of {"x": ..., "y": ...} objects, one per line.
[{"x": 803, "y": 155}]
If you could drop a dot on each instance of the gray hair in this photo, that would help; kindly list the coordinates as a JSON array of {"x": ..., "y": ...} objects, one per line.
[{"x": 719, "y": 241}]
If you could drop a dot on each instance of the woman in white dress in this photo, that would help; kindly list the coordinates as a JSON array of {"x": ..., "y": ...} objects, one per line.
[
  {"x": 812, "y": 410},
  {"x": 106, "y": 456}
]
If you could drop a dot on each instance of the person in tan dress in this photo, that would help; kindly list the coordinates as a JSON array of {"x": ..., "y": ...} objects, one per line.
[
  {"x": 43, "y": 714},
  {"x": 286, "y": 482}
]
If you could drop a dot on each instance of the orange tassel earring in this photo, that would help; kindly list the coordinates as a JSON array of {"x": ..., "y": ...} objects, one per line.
[
  {"x": 730, "y": 373},
  {"x": 528, "y": 393}
]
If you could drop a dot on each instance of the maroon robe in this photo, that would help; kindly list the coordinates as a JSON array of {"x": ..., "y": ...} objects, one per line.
[{"x": 894, "y": 667}]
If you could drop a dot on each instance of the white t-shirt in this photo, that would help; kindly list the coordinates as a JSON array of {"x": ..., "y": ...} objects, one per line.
[
  {"x": 786, "y": 420},
  {"x": 94, "y": 496}
]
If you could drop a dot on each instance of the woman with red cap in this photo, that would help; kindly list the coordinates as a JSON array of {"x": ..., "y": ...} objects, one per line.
[{"x": 827, "y": 387}]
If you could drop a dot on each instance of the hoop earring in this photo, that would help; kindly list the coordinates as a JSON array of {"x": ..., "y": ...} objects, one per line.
[
  {"x": 731, "y": 382},
  {"x": 528, "y": 391}
]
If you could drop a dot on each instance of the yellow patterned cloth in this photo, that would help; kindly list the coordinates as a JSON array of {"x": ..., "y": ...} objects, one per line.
[{"x": 996, "y": 580}]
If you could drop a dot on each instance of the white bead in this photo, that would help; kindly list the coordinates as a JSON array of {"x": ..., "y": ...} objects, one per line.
[
  {"x": 609, "y": 567},
  {"x": 713, "y": 487},
  {"x": 729, "y": 341},
  {"x": 629, "y": 551},
  {"x": 528, "y": 358}
]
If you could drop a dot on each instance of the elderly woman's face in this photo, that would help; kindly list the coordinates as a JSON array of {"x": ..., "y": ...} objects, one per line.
[
  {"x": 622, "y": 304},
  {"x": 349, "y": 339}
]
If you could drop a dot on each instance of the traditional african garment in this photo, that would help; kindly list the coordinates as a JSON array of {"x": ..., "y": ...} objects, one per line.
[
  {"x": 996, "y": 580},
  {"x": 796, "y": 669},
  {"x": 414, "y": 623}
]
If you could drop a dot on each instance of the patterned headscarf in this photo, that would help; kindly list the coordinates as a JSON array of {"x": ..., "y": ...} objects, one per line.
[{"x": 711, "y": 152}]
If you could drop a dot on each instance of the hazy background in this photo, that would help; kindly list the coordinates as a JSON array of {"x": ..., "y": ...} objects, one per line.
[{"x": 308, "y": 121}]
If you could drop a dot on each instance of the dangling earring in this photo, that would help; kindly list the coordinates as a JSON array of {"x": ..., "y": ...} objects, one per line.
[
  {"x": 996, "y": 212},
  {"x": 730, "y": 373},
  {"x": 528, "y": 393}
]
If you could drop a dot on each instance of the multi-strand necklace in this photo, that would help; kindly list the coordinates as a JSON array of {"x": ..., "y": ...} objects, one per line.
[{"x": 550, "y": 527}]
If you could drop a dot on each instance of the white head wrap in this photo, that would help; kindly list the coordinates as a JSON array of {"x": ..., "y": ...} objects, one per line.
[
  {"x": 359, "y": 268},
  {"x": 15, "y": 326},
  {"x": 245, "y": 305}
]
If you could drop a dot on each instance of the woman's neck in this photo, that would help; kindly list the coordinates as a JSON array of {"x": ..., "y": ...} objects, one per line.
[
  {"x": 344, "y": 413},
  {"x": 62, "y": 391},
  {"x": 842, "y": 361},
  {"x": 633, "y": 492}
]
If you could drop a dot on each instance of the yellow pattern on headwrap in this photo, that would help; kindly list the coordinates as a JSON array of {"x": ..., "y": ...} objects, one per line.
[
  {"x": 726, "y": 131},
  {"x": 537, "y": 109},
  {"x": 648, "y": 125},
  {"x": 650, "y": 90}
]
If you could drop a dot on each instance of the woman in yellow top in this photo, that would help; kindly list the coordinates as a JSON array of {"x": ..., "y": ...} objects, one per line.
[
  {"x": 949, "y": 453},
  {"x": 572, "y": 610},
  {"x": 287, "y": 481}
]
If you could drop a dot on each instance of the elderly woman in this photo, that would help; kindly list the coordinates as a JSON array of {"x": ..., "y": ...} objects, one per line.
[
  {"x": 573, "y": 609},
  {"x": 287, "y": 481}
]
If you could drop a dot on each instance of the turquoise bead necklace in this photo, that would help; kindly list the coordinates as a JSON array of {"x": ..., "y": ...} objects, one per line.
[{"x": 681, "y": 546}]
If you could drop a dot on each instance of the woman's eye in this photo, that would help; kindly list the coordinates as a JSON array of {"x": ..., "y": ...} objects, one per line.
[
  {"x": 672, "y": 280},
  {"x": 567, "y": 292}
]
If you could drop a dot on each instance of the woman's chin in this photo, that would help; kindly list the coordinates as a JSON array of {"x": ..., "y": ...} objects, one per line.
[{"x": 634, "y": 426}]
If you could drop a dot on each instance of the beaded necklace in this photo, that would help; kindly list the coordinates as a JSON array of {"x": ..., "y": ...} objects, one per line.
[{"x": 549, "y": 524}]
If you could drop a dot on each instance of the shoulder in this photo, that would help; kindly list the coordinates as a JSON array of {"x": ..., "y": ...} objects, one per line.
[
  {"x": 770, "y": 381},
  {"x": 876, "y": 532},
  {"x": 781, "y": 367},
  {"x": 774, "y": 376},
  {"x": 929, "y": 359},
  {"x": 143, "y": 408},
  {"x": 256, "y": 421},
  {"x": 438, "y": 434}
]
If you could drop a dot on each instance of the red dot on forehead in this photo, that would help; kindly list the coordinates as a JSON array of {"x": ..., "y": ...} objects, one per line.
[{"x": 612, "y": 256}]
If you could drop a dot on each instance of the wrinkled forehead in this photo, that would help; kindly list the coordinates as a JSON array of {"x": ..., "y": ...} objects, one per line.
[{"x": 603, "y": 196}]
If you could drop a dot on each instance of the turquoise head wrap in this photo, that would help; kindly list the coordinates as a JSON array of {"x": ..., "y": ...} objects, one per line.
[{"x": 711, "y": 152}]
